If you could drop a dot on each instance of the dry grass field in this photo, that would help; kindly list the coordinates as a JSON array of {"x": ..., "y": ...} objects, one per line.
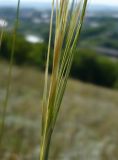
[{"x": 87, "y": 127}]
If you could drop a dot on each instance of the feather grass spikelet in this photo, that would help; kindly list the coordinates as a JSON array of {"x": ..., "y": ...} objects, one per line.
[{"x": 69, "y": 20}]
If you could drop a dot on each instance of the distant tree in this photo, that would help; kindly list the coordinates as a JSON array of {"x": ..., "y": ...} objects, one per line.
[
  {"x": 22, "y": 49},
  {"x": 90, "y": 67}
]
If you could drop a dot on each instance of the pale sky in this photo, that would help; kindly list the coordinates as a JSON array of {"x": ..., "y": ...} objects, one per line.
[{"x": 103, "y": 2}]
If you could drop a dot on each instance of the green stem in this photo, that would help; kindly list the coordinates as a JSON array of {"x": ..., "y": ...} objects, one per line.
[
  {"x": 1, "y": 36},
  {"x": 45, "y": 145},
  {"x": 5, "y": 104}
]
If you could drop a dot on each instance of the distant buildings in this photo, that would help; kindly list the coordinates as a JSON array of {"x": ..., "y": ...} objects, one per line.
[
  {"x": 3, "y": 23},
  {"x": 33, "y": 39}
]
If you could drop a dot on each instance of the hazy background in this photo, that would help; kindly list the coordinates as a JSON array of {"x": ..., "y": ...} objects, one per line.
[{"x": 90, "y": 129}]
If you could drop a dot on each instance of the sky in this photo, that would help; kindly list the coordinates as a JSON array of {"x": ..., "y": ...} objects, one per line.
[
  {"x": 101, "y": 2},
  {"x": 105, "y": 2}
]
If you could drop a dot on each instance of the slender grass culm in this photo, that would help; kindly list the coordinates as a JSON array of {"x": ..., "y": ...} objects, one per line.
[
  {"x": 69, "y": 20},
  {"x": 1, "y": 35},
  {"x": 5, "y": 103}
]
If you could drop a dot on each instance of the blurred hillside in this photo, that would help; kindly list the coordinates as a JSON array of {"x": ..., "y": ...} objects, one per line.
[
  {"x": 87, "y": 127},
  {"x": 99, "y": 32},
  {"x": 88, "y": 64},
  {"x": 96, "y": 60}
]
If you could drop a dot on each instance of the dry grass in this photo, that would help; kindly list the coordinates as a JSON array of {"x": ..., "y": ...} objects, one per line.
[{"x": 87, "y": 126}]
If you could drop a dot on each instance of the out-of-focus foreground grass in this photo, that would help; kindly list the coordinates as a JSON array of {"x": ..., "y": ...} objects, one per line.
[{"x": 87, "y": 125}]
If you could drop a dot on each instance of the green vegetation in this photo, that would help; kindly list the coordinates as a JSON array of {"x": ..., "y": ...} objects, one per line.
[
  {"x": 22, "y": 49},
  {"x": 88, "y": 65}
]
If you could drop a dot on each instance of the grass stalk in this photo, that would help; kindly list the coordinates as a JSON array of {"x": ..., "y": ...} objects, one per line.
[
  {"x": 1, "y": 36},
  {"x": 5, "y": 104},
  {"x": 69, "y": 20}
]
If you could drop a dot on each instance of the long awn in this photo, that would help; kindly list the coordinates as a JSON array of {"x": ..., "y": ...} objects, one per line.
[{"x": 69, "y": 20}]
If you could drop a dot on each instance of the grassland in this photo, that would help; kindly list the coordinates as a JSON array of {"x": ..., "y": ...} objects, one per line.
[{"x": 87, "y": 127}]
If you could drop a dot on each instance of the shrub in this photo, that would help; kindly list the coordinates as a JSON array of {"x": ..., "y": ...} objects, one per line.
[
  {"x": 90, "y": 67},
  {"x": 37, "y": 56},
  {"x": 22, "y": 49}
]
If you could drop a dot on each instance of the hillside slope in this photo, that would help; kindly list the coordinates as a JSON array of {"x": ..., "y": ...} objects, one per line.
[{"x": 87, "y": 127}]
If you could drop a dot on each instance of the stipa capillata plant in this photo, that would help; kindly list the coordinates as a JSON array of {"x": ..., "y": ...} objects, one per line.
[
  {"x": 69, "y": 20},
  {"x": 5, "y": 103}
]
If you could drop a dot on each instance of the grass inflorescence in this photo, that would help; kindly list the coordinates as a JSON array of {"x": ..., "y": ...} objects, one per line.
[{"x": 69, "y": 20}]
